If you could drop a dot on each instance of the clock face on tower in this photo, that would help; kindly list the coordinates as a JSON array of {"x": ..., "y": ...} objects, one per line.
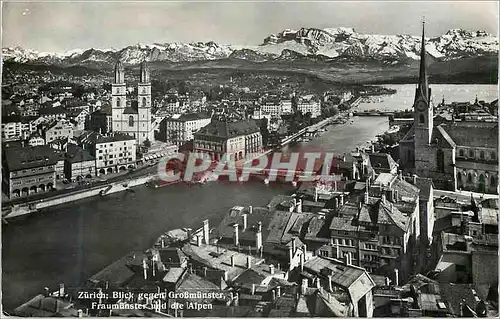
[{"x": 421, "y": 106}]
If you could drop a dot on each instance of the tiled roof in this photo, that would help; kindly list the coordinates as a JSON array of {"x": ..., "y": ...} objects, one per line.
[
  {"x": 479, "y": 134},
  {"x": 130, "y": 110},
  {"x": 52, "y": 111},
  {"x": 225, "y": 129},
  {"x": 190, "y": 117},
  {"x": 235, "y": 216},
  {"x": 382, "y": 161},
  {"x": 318, "y": 229},
  {"x": 30, "y": 157},
  {"x": 342, "y": 275},
  {"x": 114, "y": 138},
  {"x": 76, "y": 154},
  {"x": 380, "y": 213},
  {"x": 343, "y": 223}
]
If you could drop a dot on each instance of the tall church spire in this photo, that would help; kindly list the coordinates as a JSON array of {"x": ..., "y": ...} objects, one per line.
[{"x": 423, "y": 84}]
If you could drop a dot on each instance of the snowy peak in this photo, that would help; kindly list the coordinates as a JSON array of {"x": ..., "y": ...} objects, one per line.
[
  {"x": 337, "y": 43},
  {"x": 346, "y": 42}
]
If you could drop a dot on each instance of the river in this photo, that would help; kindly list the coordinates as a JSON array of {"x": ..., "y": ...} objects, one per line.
[
  {"x": 403, "y": 98},
  {"x": 70, "y": 243}
]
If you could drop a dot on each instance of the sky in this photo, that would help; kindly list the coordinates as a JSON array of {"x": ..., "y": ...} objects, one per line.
[{"x": 62, "y": 26}]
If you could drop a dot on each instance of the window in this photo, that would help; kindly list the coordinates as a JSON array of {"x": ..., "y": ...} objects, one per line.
[
  {"x": 421, "y": 119},
  {"x": 469, "y": 178},
  {"x": 144, "y": 102},
  {"x": 493, "y": 181},
  {"x": 461, "y": 153},
  {"x": 323, "y": 253},
  {"x": 471, "y": 153},
  {"x": 459, "y": 177},
  {"x": 130, "y": 121},
  {"x": 100, "y": 157},
  {"x": 481, "y": 155},
  {"x": 440, "y": 160},
  {"x": 118, "y": 102},
  {"x": 493, "y": 155}
]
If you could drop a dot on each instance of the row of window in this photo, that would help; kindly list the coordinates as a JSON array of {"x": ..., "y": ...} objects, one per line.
[
  {"x": 343, "y": 242},
  {"x": 481, "y": 179},
  {"x": 472, "y": 154},
  {"x": 391, "y": 240},
  {"x": 111, "y": 162}
]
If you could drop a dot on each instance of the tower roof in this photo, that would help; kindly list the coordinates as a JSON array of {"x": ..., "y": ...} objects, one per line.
[
  {"x": 119, "y": 66},
  {"x": 423, "y": 84},
  {"x": 144, "y": 66}
]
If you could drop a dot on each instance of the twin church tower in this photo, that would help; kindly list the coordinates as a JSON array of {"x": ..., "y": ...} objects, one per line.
[{"x": 132, "y": 118}]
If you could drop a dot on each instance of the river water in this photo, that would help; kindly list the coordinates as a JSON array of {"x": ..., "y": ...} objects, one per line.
[
  {"x": 70, "y": 243},
  {"x": 403, "y": 98}
]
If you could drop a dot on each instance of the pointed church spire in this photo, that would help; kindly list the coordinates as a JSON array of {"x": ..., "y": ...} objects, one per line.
[{"x": 423, "y": 84}]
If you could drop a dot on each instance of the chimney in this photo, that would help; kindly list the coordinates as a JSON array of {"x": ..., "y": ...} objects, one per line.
[
  {"x": 414, "y": 179},
  {"x": 387, "y": 281},
  {"x": 206, "y": 231},
  {"x": 162, "y": 242},
  {"x": 294, "y": 246},
  {"x": 253, "y": 289},
  {"x": 367, "y": 196},
  {"x": 56, "y": 306},
  {"x": 304, "y": 286},
  {"x": 316, "y": 194},
  {"x": 318, "y": 283},
  {"x": 336, "y": 203},
  {"x": 249, "y": 262},
  {"x": 383, "y": 198},
  {"x": 245, "y": 219},
  {"x": 274, "y": 295},
  {"x": 153, "y": 266},
  {"x": 80, "y": 313},
  {"x": 189, "y": 234},
  {"x": 61, "y": 290},
  {"x": 278, "y": 291},
  {"x": 232, "y": 261},
  {"x": 46, "y": 292},
  {"x": 236, "y": 234},
  {"x": 290, "y": 255},
  {"x": 302, "y": 256},
  {"x": 338, "y": 251},
  {"x": 341, "y": 199},
  {"x": 330, "y": 288},
  {"x": 271, "y": 269},
  {"x": 396, "y": 277},
  {"x": 294, "y": 202},
  {"x": 145, "y": 268},
  {"x": 299, "y": 206},
  {"x": 250, "y": 210},
  {"x": 205, "y": 269},
  {"x": 304, "y": 249},
  {"x": 198, "y": 241},
  {"x": 237, "y": 300}
]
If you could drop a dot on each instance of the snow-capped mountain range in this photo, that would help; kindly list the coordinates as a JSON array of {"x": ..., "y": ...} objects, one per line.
[{"x": 307, "y": 43}]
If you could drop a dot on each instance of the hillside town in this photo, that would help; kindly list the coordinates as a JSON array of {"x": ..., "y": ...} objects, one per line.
[{"x": 409, "y": 228}]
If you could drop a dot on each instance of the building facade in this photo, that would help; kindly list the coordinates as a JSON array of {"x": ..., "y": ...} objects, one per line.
[
  {"x": 179, "y": 129},
  {"x": 133, "y": 119},
  {"x": 457, "y": 154},
  {"x": 233, "y": 139},
  {"x": 78, "y": 164},
  {"x": 58, "y": 130},
  {"x": 29, "y": 170}
]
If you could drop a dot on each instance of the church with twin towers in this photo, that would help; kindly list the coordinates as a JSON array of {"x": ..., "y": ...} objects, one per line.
[{"x": 133, "y": 118}]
